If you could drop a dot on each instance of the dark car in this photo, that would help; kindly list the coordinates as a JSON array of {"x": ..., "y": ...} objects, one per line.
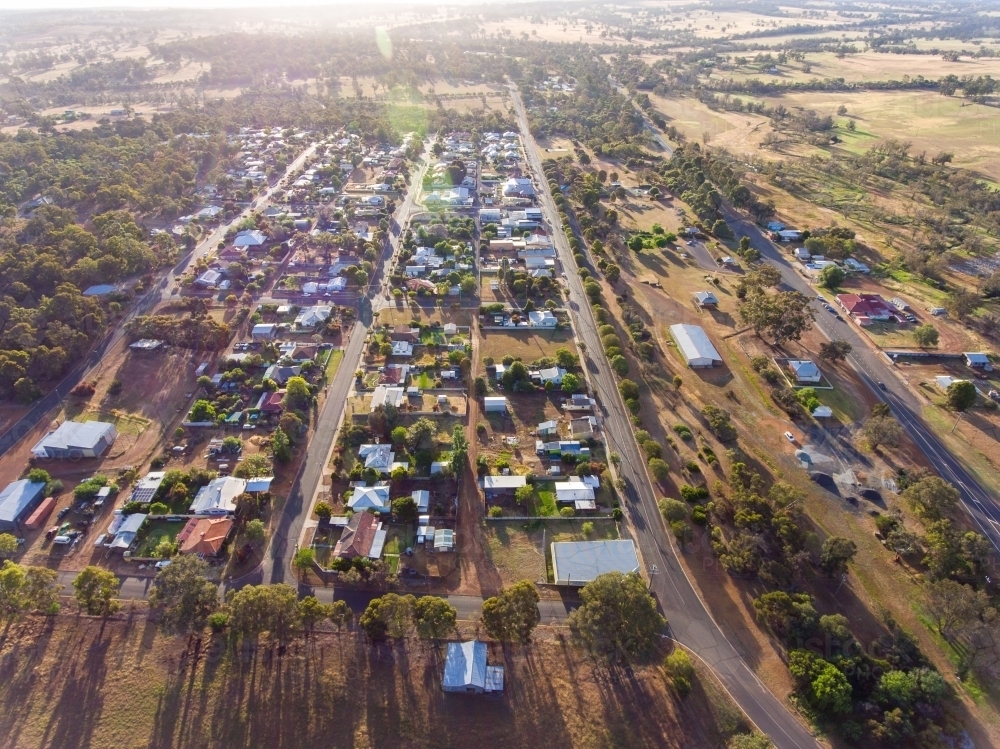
[{"x": 881, "y": 385}]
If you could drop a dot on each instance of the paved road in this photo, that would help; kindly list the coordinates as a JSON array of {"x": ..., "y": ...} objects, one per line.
[
  {"x": 690, "y": 623},
  {"x": 873, "y": 368},
  {"x": 277, "y": 565},
  {"x": 161, "y": 292}
]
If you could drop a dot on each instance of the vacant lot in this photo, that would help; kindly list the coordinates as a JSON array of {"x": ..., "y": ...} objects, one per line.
[
  {"x": 527, "y": 345},
  {"x": 123, "y": 684}
]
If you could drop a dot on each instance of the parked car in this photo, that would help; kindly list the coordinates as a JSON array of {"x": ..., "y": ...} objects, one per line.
[
  {"x": 62, "y": 540},
  {"x": 790, "y": 437},
  {"x": 163, "y": 563}
]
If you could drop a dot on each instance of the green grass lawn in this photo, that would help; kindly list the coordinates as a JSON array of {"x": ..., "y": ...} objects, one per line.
[
  {"x": 425, "y": 381},
  {"x": 124, "y": 423},
  {"x": 544, "y": 501},
  {"x": 398, "y": 539},
  {"x": 156, "y": 532},
  {"x": 333, "y": 363}
]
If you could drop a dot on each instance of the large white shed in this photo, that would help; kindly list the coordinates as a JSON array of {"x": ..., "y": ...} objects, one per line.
[{"x": 694, "y": 346}]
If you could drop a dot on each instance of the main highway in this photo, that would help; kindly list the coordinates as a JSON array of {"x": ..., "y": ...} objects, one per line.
[
  {"x": 872, "y": 367},
  {"x": 689, "y": 620}
]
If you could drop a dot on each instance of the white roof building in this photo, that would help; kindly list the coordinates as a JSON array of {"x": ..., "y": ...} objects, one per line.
[
  {"x": 127, "y": 530},
  {"x": 579, "y": 562},
  {"x": 402, "y": 348},
  {"x": 252, "y": 238},
  {"x": 218, "y": 497},
  {"x": 379, "y": 457},
  {"x": 805, "y": 370},
  {"x": 370, "y": 498},
  {"x": 70, "y": 439},
  {"x": 572, "y": 490},
  {"x": 312, "y": 316},
  {"x": 495, "y": 404},
  {"x": 542, "y": 319},
  {"x": 694, "y": 346},
  {"x": 383, "y": 395}
]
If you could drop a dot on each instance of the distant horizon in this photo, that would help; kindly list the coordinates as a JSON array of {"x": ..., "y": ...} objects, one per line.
[{"x": 144, "y": 5}]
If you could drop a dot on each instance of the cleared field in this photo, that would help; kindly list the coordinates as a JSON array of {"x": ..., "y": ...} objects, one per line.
[
  {"x": 83, "y": 682},
  {"x": 928, "y": 120},
  {"x": 527, "y": 346}
]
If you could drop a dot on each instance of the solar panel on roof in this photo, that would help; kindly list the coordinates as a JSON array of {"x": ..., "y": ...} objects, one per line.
[{"x": 143, "y": 494}]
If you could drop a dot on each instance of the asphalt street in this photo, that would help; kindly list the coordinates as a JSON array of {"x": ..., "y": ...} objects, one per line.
[
  {"x": 689, "y": 621},
  {"x": 873, "y": 368}
]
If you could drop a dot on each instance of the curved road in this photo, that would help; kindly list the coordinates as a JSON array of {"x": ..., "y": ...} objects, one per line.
[{"x": 690, "y": 622}]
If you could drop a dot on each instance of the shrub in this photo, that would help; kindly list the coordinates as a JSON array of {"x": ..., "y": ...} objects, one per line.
[
  {"x": 496, "y": 512},
  {"x": 680, "y": 670},
  {"x": 693, "y": 493},
  {"x": 699, "y": 515},
  {"x": 567, "y": 512},
  {"x": 683, "y": 431},
  {"x": 218, "y": 621},
  {"x": 692, "y": 467},
  {"x": 587, "y": 529}
]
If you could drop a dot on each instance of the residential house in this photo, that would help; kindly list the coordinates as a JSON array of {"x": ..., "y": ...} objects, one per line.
[
  {"x": 405, "y": 334},
  {"x": 126, "y": 528},
  {"x": 270, "y": 402},
  {"x": 280, "y": 374},
  {"x": 496, "y": 486},
  {"x": 204, "y": 536},
  {"x": 402, "y": 348},
  {"x": 706, "y": 299},
  {"x": 218, "y": 497},
  {"x": 518, "y": 187},
  {"x": 573, "y": 490},
  {"x": 310, "y": 317},
  {"x": 579, "y": 402},
  {"x": 856, "y": 265},
  {"x": 393, "y": 374},
  {"x": 252, "y": 238},
  {"x": 554, "y": 375},
  {"x": 209, "y": 279},
  {"x": 383, "y": 396},
  {"x": 365, "y": 498},
  {"x": 363, "y": 537},
  {"x": 466, "y": 670},
  {"x": 74, "y": 439},
  {"x": 805, "y": 371},
  {"x": 146, "y": 489},
  {"x": 583, "y": 428},
  {"x": 379, "y": 457},
  {"x": 865, "y": 308},
  {"x": 542, "y": 319}
]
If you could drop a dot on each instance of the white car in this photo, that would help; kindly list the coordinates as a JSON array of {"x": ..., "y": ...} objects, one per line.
[
  {"x": 163, "y": 563},
  {"x": 790, "y": 437}
]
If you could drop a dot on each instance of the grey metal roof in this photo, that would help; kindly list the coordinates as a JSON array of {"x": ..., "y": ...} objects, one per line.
[
  {"x": 16, "y": 497},
  {"x": 579, "y": 562},
  {"x": 76, "y": 435},
  {"x": 465, "y": 665}
]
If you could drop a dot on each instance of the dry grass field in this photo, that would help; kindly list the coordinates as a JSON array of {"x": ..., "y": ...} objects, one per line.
[{"x": 124, "y": 685}]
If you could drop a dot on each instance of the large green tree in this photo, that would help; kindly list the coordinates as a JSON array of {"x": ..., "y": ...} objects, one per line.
[
  {"x": 513, "y": 614},
  {"x": 97, "y": 591},
  {"x": 184, "y": 594},
  {"x": 434, "y": 617},
  {"x": 618, "y": 616},
  {"x": 255, "y": 609}
]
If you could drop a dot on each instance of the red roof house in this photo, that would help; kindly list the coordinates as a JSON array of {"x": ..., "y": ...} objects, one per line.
[{"x": 866, "y": 307}]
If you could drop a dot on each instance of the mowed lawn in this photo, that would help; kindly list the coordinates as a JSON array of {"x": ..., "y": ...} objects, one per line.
[{"x": 527, "y": 345}]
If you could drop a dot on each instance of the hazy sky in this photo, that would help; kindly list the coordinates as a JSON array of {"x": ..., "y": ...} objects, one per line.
[{"x": 202, "y": 4}]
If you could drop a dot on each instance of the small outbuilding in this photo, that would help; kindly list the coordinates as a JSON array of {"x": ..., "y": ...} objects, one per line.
[
  {"x": 977, "y": 360},
  {"x": 495, "y": 404},
  {"x": 694, "y": 345},
  {"x": 706, "y": 299},
  {"x": 466, "y": 670},
  {"x": 17, "y": 501},
  {"x": 805, "y": 371}
]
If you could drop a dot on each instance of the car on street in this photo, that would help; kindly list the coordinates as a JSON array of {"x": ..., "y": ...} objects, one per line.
[
  {"x": 881, "y": 385},
  {"x": 790, "y": 437},
  {"x": 829, "y": 309}
]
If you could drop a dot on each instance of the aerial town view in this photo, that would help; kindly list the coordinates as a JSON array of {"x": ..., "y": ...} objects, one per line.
[{"x": 573, "y": 374}]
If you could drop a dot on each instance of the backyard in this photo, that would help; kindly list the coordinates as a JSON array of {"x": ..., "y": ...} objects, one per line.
[
  {"x": 156, "y": 531},
  {"x": 520, "y": 550}
]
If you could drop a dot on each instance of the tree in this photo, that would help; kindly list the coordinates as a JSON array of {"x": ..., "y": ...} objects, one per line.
[
  {"x": 961, "y": 303},
  {"x": 420, "y": 436},
  {"x": 791, "y": 616},
  {"x": 834, "y": 351},
  {"x": 255, "y": 530},
  {"x": 925, "y": 335},
  {"x": 566, "y": 358},
  {"x": 513, "y": 614},
  {"x": 388, "y": 616},
  {"x": 784, "y": 316},
  {"x": 398, "y": 435},
  {"x": 281, "y": 446},
  {"x": 673, "y": 510},
  {"x": 253, "y": 466},
  {"x": 312, "y": 612},
  {"x": 96, "y": 590},
  {"x": 405, "y": 509},
  {"x": 13, "y": 581},
  {"x": 629, "y": 390},
  {"x": 255, "y": 609},
  {"x": 955, "y": 606},
  {"x": 961, "y": 394},
  {"x": 831, "y": 276},
  {"x": 931, "y": 498},
  {"x": 882, "y": 430},
  {"x": 304, "y": 559},
  {"x": 570, "y": 383},
  {"x": 618, "y": 616},
  {"x": 434, "y": 617},
  {"x": 184, "y": 594},
  {"x": 340, "y": 614},
  {"x": 659, "y": 468},
  {"x": 680, "y": 669},
  {"x": 202, "y": 411},
  {"x": 836, "y": 553},
  {"x": 8, "y": 545},
  {"x": 721, "y": 229},
  {"x": 297, "y": 393},
  {"x": 830, "y": 691}
]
